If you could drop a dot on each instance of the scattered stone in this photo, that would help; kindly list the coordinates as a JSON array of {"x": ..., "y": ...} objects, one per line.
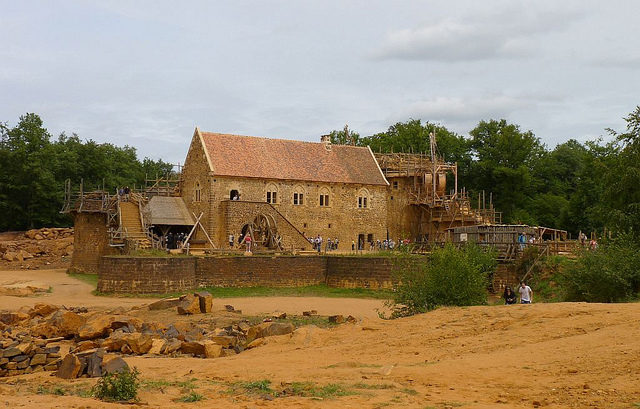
[
  {"x": 279, "y": 315},
  {"x": 267, "y": 329},
  {"x": 337, "y": 319},
  {"x": 311, "y": 313}
]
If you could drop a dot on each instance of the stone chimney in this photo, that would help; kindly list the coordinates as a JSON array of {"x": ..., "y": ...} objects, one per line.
[{"x": 326, "y": 140}]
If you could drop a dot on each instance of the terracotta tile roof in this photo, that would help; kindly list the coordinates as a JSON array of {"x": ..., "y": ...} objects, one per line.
[{"x": 255, "y": 157}]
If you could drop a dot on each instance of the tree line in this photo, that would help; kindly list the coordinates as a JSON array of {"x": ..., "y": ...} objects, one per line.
[
  {"x": 34, "y": 167},
  {"x": 574, "y": 186}
]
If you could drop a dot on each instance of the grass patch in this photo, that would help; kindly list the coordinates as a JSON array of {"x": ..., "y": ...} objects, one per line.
[
  {"x": 81, "y": 390},
  {"x": 158, "y": 384},
  {"x": 408, "y": 391},
  {"x": 191, "y": 397},
  {"x": 311, "y": 390},
  {"x": 303, "y": 389},
  {"x": 307, "y": 291},
  {"x": 87, "y": 278},
  {"x": 373, "y": 386},
  {"x": 235, "y": 292}
]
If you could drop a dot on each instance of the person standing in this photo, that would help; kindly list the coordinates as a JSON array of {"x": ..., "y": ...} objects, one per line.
[
  {"x": 509, "y": 296},
  {"x": 231, "y": 240},
  {"x": 247, "y": 241},
  {"x": 526, "y": 294}
]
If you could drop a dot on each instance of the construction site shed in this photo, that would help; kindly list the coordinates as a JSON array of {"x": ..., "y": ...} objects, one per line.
[{"x": 168, "y": 211}]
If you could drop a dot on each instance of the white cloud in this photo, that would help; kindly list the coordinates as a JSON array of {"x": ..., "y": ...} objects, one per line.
[{"x": 499, "y": 35}]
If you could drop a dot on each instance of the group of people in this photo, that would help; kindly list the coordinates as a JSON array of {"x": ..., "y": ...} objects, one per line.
[
  {"x": 124, "y": 193},
  {"x": 330, "y": 245},
  {"x": 523, "y": 240},
  {"x": 247, "y": 240},
  {"x": 174, "y": 240},
  {"x": 526, "y": 295},
  {"x": 593, "y": 243}
]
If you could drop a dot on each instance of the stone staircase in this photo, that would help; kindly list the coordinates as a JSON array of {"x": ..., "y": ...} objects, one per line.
[{"x": 131, "y": 225}]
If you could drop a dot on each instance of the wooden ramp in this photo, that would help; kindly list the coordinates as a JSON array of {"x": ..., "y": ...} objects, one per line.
[{"x": 132, "y": 225}]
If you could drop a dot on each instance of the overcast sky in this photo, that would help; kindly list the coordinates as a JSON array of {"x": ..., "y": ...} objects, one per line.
[{"x": 145, "y": 73}]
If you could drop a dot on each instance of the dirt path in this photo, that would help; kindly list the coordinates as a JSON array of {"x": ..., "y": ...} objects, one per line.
[{"x": 69, "y": 291}]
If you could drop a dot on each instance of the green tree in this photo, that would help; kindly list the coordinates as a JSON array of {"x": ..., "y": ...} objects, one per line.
[
  {"x": 505, "y": 157},
  {"x": 621, "y": 205},
  {"x": 27, "y": 184},
  {"x": 345, "y": 136}
]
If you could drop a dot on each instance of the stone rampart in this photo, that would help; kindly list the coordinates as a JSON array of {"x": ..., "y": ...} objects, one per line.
[{"x": 119, "y": 274}]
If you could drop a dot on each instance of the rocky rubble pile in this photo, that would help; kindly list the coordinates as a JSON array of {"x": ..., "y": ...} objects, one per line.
[
  {"x": 97, "y": 333},
  {"x": 23, "y": 354},
  {"x": 40, "y": 243}
]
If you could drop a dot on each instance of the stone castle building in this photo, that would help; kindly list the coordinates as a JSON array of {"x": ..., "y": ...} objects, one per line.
[
  {"x": 282, "y": 192},
  {"x": 308, "y": 189}
]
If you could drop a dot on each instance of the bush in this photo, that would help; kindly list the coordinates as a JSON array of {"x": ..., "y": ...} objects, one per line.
[
  {"x": 118, "y": 386},
  {"x": 608, "y": 274},
  {"x": 448, "y": 277}
]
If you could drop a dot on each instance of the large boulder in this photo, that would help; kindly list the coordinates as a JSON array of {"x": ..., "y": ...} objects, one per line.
[
  {"x": 42, "y": 310},
  {"x": 195, "y": 348},
  {"x": 206, "y": 301},
  {"x": 268, "y": 329},
  {"x": 67, "y": 322},
  {"x": 11, "y": 318},
  {"x": 70, "y": 367},
  {"x": 113, "y": 365},
  {"x": 139, "y": 343},
  {"x": 212, "y": 350},
  {"x": 164, "y": 304},
  {"x": 96, "y": 327},
  {"x": 100, "y": 325},
  {"x": 189, "y": 304}
]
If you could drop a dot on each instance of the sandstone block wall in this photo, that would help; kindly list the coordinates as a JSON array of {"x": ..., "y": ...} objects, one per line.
[
  {"x": 239, "y": 213},
  {"x": 360, "y": 272},
  {"x": 260, "y": 271},
  {"x": 176, "y": 274},
  {"x": 145, "y": 275}
]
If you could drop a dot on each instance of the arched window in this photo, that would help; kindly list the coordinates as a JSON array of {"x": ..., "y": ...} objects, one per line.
[
  {"x": 272, "y": 193},
  {"x": 298, "y": 196},
  {"x": 197, "y": 192},
  {"x": 363, "y": 199},
  {"x": 324, "y": 197}
]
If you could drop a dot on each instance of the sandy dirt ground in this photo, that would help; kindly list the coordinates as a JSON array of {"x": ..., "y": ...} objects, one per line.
[{"x": 567, "y": 355}]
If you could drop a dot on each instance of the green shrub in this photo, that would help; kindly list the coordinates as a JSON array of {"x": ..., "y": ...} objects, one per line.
[
  {"x": 447, "y": 277},
  {"x": 118, "y": 386},
  {"x": 609, "y": 274}
]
